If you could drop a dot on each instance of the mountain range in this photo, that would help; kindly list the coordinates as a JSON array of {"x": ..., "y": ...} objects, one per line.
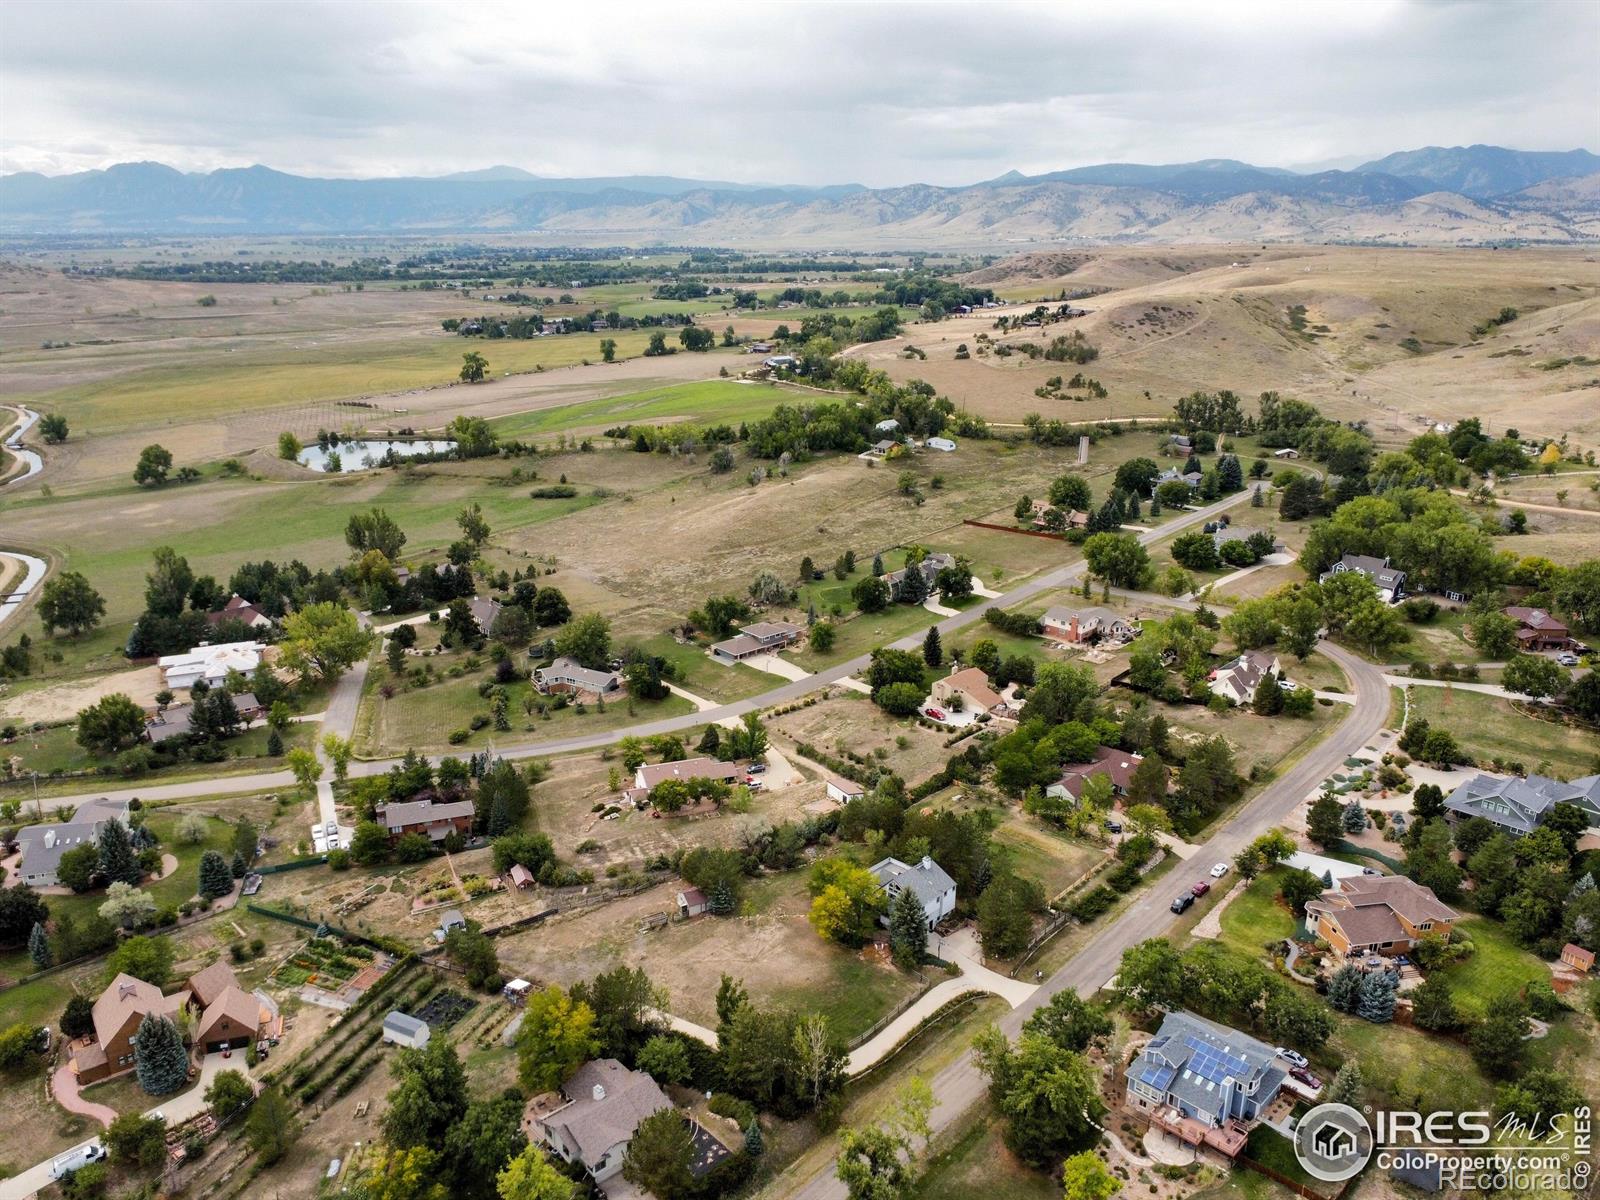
[{"x": 1435, "y": 195}]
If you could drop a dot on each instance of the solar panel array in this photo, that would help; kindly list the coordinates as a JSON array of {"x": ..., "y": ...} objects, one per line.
[{"x": 1213, "y": 1064}]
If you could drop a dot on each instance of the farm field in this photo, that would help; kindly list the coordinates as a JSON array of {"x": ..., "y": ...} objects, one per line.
[{"x": 713, "y": 401}]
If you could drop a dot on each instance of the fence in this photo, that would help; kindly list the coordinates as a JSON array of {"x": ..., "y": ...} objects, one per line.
[
  {"x": 305, "y": 923},
  {"x": 296, "y": 864},
  {"x": 1280, "y": 1177},
  {"x": 1037, "y": 533}
]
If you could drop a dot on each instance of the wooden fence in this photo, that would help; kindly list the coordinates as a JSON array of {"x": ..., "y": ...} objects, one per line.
[{"x": 1037, "y": 533}]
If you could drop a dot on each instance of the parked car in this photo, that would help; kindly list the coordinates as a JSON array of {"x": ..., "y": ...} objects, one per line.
[
  {"x": 1221, "y": 869},
  {"x": 72, "y": 1160},
  {"x": 1201, "y": 888},
  {"x": 936, "y": 713},
  {"x": 1370, "y": 871},
  {"x": 1182, "y": 903},
  {"x": 331, "y": 828},
  {"x": 1112, "y": 826},
  {"x": 756, "y": 768},
  {"x": 1293, "y": 1057},
  {"x": 1567, "y": 659},
  {"x": 1307, "y": 1078}
]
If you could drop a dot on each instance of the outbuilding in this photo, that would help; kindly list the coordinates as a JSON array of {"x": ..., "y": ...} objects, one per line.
[{"x": 402, "y": 1029}]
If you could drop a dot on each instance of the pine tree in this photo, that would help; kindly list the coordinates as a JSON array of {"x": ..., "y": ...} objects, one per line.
[
  {"x": 1355, "y": 817},
  {"x": 274, "y": 743},
  {"x": 753, "y": 1145},
  {"x": 913, "y": 586},
  {"x": 159, "y": 1059},
  {"x": 908, "y": 929},
  {"x": 118, "y": 862},
  {"x": 720, "y": 902},
  {"x": 236, "y": 867},
  {"x": 811, "y": 613},
  {"x": 932, "y": 648},
  {"x": 39, "y": 947},
  {"x": 710, "y": 741},
  {"x": 1347, "y": 1086},
  {"x": 877, "y": 565},
  {"x": 1344, "y": 989},
  {"x": 215, "y": 878},
  {"x": 1376, "y": 1003}
]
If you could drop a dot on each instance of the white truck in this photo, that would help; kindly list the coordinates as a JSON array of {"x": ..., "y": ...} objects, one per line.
[{"x": 72, "y": 1160}]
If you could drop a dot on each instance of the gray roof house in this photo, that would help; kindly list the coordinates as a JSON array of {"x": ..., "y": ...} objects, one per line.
[
  {"x": 930, "y": 568},
  {"x": 1390, "y": 581},
  {"x": 569, "y": 675},
  {"x": 605, "y": 1104},
  {"x": 927, "y": 880},
  {"x": 485, "y": 612},
  {"x": 1237, "y": 680},
  {"x": 43, "y": 845},
  {"x": 1204, "y": 1081},
  {"x": 758, "y": 637},
  {"x": 402, "y": 1029},
  {"x": 1518, "y": 805}
]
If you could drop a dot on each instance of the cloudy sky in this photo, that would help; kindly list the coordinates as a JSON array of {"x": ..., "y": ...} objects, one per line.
[{"x": 875, "y": 93}]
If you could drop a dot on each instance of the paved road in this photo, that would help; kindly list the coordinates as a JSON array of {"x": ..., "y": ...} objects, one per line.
[
  {"x": 348, "y": 692},
  {"x": 960, "y": 1085}
]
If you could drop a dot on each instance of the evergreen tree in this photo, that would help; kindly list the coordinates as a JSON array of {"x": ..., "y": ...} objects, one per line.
[
  {"x": 1344, "y": 989},
  {"x": 274, "y": 743},
  {"x": 710, "y": 741},
  {"x": 754, "y": 1146},
  {"x": 877, "y": 565},
  {"x": 236, "y": 867},
  {"x": 932, "y": 648},
  {"x": 721, "y": 901},
  {"x": 1376, "y": 1001},
  {"x": 215, "y": 878},
  {"x": 1355, "y": 817},
  {"x": 159, "y": 1059},
  {"x": 1325, "y": 822},
  {"x": 118, "y": 862},
  {"x": 1347, "y": 1087},
  {"x": 908, "y": 929},
  {"x": 1268, "y": 700},
  {"x": 1434, "y": 1005},
  {"x": 731, "y": 997},
  {"x": 39, "y": 947},
  {"x": 913, "y": 586}
]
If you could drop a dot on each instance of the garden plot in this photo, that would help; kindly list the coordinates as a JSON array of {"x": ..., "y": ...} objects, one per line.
[{"x": 445, "y": 1009}]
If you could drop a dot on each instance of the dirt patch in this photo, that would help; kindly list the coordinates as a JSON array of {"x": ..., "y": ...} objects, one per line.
[{"x": 63, "y": 701}]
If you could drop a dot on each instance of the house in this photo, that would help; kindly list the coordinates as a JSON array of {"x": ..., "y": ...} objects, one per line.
[
  {"x": 878, "y": 449},
  {"x": 761, "y": 637},
  {"x": 1286, "y": 452},
  {"x": 941, "y": 443},
  {"x": 1577, "y": 958},
  {"x": 521, "y": 878},
  {"x": 930, "y": 567},
  {"x": 1181, "y": 441},
  {"x": 41, "y": 846},
  {"x": 781, "y": 362},
  {"x": 1192, "y": 478},
  {"x": 1519, "y": 805},
  {"x": 649, "y": 775},
  {"x": 1232, "y": 533},
  {"x": 436, "y": 819},
  {"x": 1070, "y": 519},
  {"x": 211, "y": 663},
  {"x": 1116, "y": 765},
  {"x": 967, "y": 689},
  {"x": 402, "y": 1029},
  {"x": 605, "y": 1103},
  {"x": 1076, "y": 626},
  {"x": 692, "y": 902},
  {"x": 116, "y": 1016},
  {"x": 1204, "y": 1082},
  {"x": 1237, "y": 680},
  {"x": 1378, "y": 914},
  {"x": 1538, "y": 630},
  {"x": 1390, "y": 581},
  {"x": 927, "y": 881},
  {"x": 566, "y": 675},
  {"x": 887, "y": 426},
  {"x": 233, "y": 1019},
  {"x": 174, "y": 721},
  {"x": 841, "y": 789},
  {"x": 239, "y": 609},
  {"x": 485, "y": 611}
]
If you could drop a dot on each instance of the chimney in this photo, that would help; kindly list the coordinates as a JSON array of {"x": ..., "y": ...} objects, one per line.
[
  {"x": 927, "y": 863},
  {"x": 49, "y": 838},
  {"x": 599, "y": 1091}
]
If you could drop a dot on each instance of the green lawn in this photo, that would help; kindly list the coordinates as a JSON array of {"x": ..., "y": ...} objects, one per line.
[
  {"x": 1406, "y": 1068},
  {"x": 978, "y": 1164},
  {"x": 1256, "y": 916},
  {"x": 710, "y": 401},
  {"x": 855, "y": 996},
  {"x": 55, "y": 749},
  {"x": 865, "y": 632},
  {"x": 1497, "y": 965},
  {"x": 1488, "y": 727},
  {"x": 711, "y": 680}
]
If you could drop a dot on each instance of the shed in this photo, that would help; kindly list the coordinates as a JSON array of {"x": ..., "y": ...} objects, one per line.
[
  {"x": 692, "y": 902},
  {"x": 1577, "y": 957},
  {"x": 452, "y": 919},
  {"x": 521, "y": 877},
  {"x": 517, "y": 990},
  {"x": 941, "y": 443},
  {"x": 405, "y": 1030},
  {"x": 843, "y": 790}
]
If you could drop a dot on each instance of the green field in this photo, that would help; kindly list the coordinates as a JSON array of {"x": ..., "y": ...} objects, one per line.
[
  {"x": 710, "y": 680},
  {"x": 1256, "y": 916},
  {"x": 1497, "y": 965},
  {"x": 710, "y": 401},
  {"x": 55, "y": 750},
  {"x": 1488, "y": 727}
]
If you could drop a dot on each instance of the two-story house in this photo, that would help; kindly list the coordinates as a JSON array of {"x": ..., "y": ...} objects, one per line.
[
  {"x": 1378, "y": 914},
  {"x": 760, "y": 637},
  {"x": 1390, "y": 581},
  {"x": 926, "y": 879}
]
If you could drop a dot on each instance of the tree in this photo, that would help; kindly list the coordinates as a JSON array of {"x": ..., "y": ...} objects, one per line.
[
  {"x": 374, "y": 530},
  {"x": 1299, "y": 888},
  {"x": 119, "y": 862},
  {"x": 1071, "y": 493},
  {"x": 429, "y": 1096},
  {"x": 53, "y": 428},
  {"x": 322, "y": 641},
  {"x": 21, "y": 908},
  {"x": 557, "y": 1036},
  {"x": 137, "y": 1140},
  {"x": 289, "y": 446},
  {"x": 404, "y": 1173},
  {"x": 1355, "y": 817},
  {"x": 1347, "y": 1087},
  {"x": 1494, "y": 634},
  {"x": 1325, "y": 821},
  {"x": 1539, "y": 1099},
  {"x": 77, "y": 1019},
  {"x": 474, "y": 367},
  {"x": 908, "y": 929},
  {"x": 586, "y": 640},
  {"x": 932, "y": 649},
  {"x": 530, "y": 1175},
  {"x": 1005, "y": 923},
  {"x": 68, "y": 602},
  {"x": 823, "y": 635},
  {"x": 1344, "y": 989},
  {"x": 871, "y": 594},
  {"x": 154, "y": 463},
  {"x": 230, "y": 1092},
  {"x": 872, "y": 1166},
  {"x": 731, "y": 997},
  {"x": 1197, "y": 551},
  {"x": 39, "y": 952},
  {"x": 1434, "y": 1005},
  {"x": 19, "y": 1047},
  {"x": 1533, "y": 675},
  {"x": 111, "y": 724},
  {"x": 659, "y": 1155},
  {"x": 303, "y": 764},
  {"x": 1153, "y": 975},
  {"x": 159, "y": 1059},
  {"x": 1376, "y": 1000},
  {"x": 696, "y": 338},
  {"x": 899, "y": 699},
  {"x": 271, "y": 1127},
  {"x": 608, "y": 349},
  {"x": 1048, "y": 1096},
  {"x": 665, "y": 1059},
  {"x": 1070, "y": 1021},
  {"x": 215, "y": 877},
  {"x": 1084, "y": 1177},
  {"x": 1118, "y": 558},
  {"x": 1300, "y": 622},
  {"x": 1497, "y": 1041},
  {"x": 847, "y": 900}
]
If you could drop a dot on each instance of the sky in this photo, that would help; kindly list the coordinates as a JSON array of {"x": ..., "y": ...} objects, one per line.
[{"x": 876, "y": 93}]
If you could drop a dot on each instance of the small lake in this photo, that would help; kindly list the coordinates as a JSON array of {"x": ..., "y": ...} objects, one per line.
[{"x": 364, "y": 455}]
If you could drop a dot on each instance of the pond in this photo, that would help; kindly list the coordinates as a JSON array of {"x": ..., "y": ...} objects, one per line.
[{"x": 364, "y": 455}]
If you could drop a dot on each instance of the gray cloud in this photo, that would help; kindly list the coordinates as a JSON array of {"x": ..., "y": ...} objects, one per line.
[{"x": 882, "y": 93}]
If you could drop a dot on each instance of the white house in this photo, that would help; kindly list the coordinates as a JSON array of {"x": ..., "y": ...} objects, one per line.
[
  {"x": 1237, "y": 680},
  {"x": 1390, "y": 581},
  {"x": 211, "y": 663},
  {"x": 605, "y": 1104},
  {"x": 941, "y": 443},
  {"x": 889, "y": 425},
  {"x": 402, "y": 1029},
  {"x": 927, "y": 880}
]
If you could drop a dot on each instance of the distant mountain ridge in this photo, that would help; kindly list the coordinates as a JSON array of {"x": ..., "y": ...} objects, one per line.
[{"x": 1436, "y": 195}]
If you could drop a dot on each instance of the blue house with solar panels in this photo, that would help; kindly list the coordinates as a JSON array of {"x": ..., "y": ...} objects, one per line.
[{"x": 1204, "y": 1081}]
